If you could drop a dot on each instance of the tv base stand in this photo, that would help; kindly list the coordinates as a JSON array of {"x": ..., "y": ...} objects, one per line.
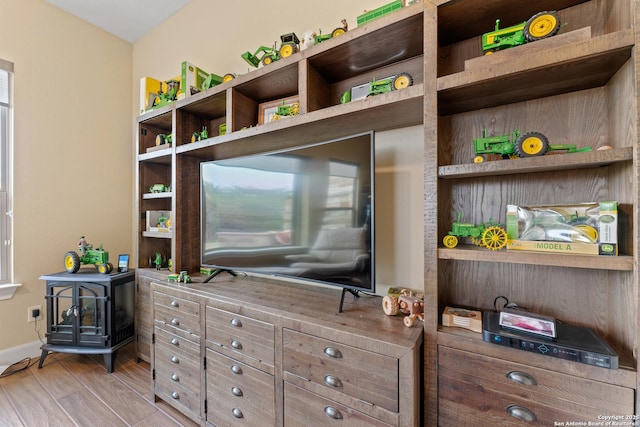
[
  {"x": 344, "y": 291},
  {"x": 218, "y": 271}
]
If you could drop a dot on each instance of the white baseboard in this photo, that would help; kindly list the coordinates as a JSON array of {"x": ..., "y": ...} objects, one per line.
[{"x": 15, "y": 354}]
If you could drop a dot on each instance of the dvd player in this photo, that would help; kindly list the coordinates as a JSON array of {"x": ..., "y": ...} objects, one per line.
[{"x": 575, "y": 343}]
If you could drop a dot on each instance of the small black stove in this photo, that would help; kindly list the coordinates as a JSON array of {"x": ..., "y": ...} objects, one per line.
[{"x": 89, "y": 313}]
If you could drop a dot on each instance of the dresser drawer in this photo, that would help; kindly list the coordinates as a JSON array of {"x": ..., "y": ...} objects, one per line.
[
  {"x": 177, "y": 359},
  {"x": 305, "y": 409},
  {"x": 183, "y": 398},
  {"x": 243, "y": 395},
  {"x": 368, "y": 376},
  {"x": 177, "y": 312},
  {"x": 240, "y": 337},
  {"x": 471, "y": 386}
]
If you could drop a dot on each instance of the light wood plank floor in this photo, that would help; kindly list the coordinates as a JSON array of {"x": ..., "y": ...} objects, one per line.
[{"x": 76, "y": 390}]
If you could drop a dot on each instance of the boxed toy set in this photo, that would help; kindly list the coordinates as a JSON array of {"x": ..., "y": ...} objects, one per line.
[{"x": 583, "y": 228}]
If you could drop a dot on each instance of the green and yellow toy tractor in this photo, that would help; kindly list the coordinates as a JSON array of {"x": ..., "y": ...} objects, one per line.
[
  {"x": 539, "y": 26},
  {"x": 489, "y": 234},
  {"x": 88, "y": 255},
  {"x": 518, "y": 144},
  {"x": 290, "y": 44}
]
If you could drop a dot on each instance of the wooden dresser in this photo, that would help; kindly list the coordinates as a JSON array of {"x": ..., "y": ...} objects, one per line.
[{"x": 249, "y": 351}]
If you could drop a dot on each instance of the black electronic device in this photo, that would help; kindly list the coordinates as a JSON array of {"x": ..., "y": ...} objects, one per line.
[{"x": 575, "y": 343}]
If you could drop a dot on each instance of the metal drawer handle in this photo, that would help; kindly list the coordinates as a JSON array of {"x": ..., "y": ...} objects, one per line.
[
  {"x": 236, "y": 322},
  {"x": 236, "y": 344},
  {"x": 333, "y": 413},
  {"x": 521, "y": 413},
  {"x": 236, "y": 391},
  {"x": 333, "y": 352},
  {"x": 237, "y": 413},
  {"x": 175, "y": 321},
  {"x": 332, "y": 381},
  {"x": 175, "y": 395},
  {"x": 175, "y": 303},
  {"x": 521, "y": 378},
  {"x": 175, "y": 359},
  {"x": 175, "y": 341},
  {"x": 236, "y": 369}
]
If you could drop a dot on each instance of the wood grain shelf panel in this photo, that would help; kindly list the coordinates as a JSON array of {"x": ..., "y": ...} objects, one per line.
[
  {"x": 473, "y": 253},
  {"x": 549, "y": 162}
]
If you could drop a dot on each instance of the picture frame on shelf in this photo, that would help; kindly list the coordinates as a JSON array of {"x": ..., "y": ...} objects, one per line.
[{"x": 267, "y": 110}]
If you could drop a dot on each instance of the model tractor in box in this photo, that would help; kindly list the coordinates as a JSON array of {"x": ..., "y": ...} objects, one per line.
[
  {"x": 286, "y": 110},
  {"x": 539, "y": 26},
  {"x": 88, "y": 255},
  {"x": 488, "y": 235},
  {"x": 165, "y": 98},
  {"x": 517, "y": 144}
]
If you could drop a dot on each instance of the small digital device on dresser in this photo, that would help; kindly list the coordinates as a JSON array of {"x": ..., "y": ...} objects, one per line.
[{"x": 575, "y": 343}]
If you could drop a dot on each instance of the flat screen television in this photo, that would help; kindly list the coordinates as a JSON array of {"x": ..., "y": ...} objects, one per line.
[{"x": 303, "y": 213}]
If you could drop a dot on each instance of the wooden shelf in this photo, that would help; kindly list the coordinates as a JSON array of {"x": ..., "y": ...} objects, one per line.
[
  {"x": 473, "y": 253},
  {"x": 164, "y": 195},
  {"x": 461, "y": 20},
  {"x": 158, "y": 234},
  {"x": 577, "y": 66},
  {"x": 549, "y": 162},
  {"x": 382, "y": 112},
  {"x": 161, "y": 156}
]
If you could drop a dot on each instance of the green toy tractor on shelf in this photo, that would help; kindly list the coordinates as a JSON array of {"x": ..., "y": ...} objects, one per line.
[
  {"x": 290, "y": 44},
  {"x": 518, "y": 144},
  {"x": 88, "y": 255},
  {"x": 539, "y": 26},
  {"x": 488, "y": 235}
]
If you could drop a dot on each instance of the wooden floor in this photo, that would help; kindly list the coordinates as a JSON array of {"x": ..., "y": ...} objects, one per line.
[{"x": 76, "y": 390}]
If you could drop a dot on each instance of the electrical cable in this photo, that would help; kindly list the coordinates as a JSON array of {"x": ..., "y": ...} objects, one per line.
[{"x": 28, "y": 361}]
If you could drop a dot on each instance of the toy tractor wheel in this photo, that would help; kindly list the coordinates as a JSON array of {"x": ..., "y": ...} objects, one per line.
[
  {"x": 450, "y": 241},
  {"x": 102, "y": 268},
  {"x": 476, "y": 241},
  {"x": 390, "y": 305},
  {"x": 71, "y": 262},
  {"x": 228, "y": 77},
  {"x": 409, "y": 321},
  {"x": 288, "y": 50},
  {"x": 541, "y": 25},
  {"x": 160, "y": 139},
  {"x": 268, "y": 59},
  {"x": 479, "y": 159},
  {"x": 338, "y": 32},
  {"x": 402, "y": 81},
  {"x": 531, "y": 144},
  {"x": 494, "y": 238}
]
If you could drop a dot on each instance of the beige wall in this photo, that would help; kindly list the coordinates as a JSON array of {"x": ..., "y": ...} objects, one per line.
[
  {"x": 77, "y": 95},
  {"x": 73, "y": 151}
]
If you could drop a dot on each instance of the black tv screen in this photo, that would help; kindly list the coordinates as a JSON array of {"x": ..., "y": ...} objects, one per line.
[{"x": 304, "y": 213}]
